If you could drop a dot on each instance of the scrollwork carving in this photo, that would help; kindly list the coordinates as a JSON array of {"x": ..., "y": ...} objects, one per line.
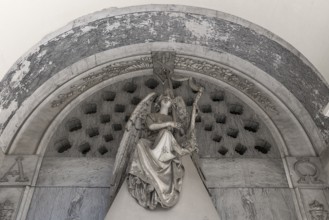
[
  {"x": 226, "y": 75},
  {"x": 105, "y": 73}
]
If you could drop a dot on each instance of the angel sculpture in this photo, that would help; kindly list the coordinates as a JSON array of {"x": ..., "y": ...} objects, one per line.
[{"x": 154, "y": 142}]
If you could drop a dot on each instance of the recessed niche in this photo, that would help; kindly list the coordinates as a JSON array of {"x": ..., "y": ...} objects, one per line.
[
  {"x": 151, "y": 83},
  {"x": 189, "y": 101},
  {"x": 117, "y": 127},
  {"x": 90, "y": 108},
  {"x": 105, "y": 118},
  {"x": 236, "y": 109},
  {"x": 108, "y": 137},
  {"x": 102, "y": 150},
  {"x": 92, "y": 132},
  {"x": 217, "y": 97},
  {"x": 62, "y": 145},
  {"x": 220, "y": 118},
  {"x": 217, "y": 138},
  {"x": 208, "y": 127},
  {"x": 84, "y": 148},
  {"x": 240, "y": 149},
  {"x": 222, "y": 150},
  {"x": 127, "y": 117},
  {"x": 176, "y": 84},
  {"x": 130, "y": 87},
  {"x": 119, "y": 108},
  {"x": 262, "y": 146},
  {"x": 73, "y": 124},
  {"x": 206, "y": 108},
  {"x": 198, "y": 119},
  {"x": 251, "y": 126},
  {"x": 108, "y": 96},
  {"x": 232, "y": 132},
  {"x": 135, "y": 101}
]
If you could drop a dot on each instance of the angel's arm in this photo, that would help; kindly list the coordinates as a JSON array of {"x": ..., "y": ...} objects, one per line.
[{"x": 157, "y": 126}]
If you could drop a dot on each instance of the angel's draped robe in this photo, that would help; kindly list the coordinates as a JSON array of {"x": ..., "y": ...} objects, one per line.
[{"x": 156, "y": 171}]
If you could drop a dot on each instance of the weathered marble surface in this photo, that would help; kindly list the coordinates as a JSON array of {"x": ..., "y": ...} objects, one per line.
[
  {"x": 10, "y": 199},
  {"x": 308, "y": 196},
  {"x": 79, "y": 172},
  {"x": 307, "y": 172},
  {"x": 207, "y": 28},
  {"x": 244, "y": 173},
  {"x": 17, "y": 169},
  {"x": 69, "y": 203},
  {"x": 254, "y": 204}
]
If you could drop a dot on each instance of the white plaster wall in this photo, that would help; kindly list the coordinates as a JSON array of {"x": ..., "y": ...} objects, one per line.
[{"x": 303, "y": 23}]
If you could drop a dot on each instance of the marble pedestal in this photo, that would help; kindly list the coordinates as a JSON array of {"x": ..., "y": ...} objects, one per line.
[{"x": 194, "y": 203}]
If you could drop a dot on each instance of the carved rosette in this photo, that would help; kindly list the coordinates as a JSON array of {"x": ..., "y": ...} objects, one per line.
[{"x": 317, "y": 211}]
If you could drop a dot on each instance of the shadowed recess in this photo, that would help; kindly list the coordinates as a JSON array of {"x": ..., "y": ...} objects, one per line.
[
  {"x": 108, "y": 137},
  {"x": 92, "y": 132},
  {"x": 62, "y": 145},
  {"x": 222, "y": 150},
  {"x": 236, "y": 109},
  {"x": 130, "y": 87},
  {"x": 90, "y": 108},
  {"x": 262, "y": 146},
  {"x": 251, "y": 126},
  {"x": 73, "y": 124},
  {"x": 232, "y": 132},
  {"x": 105, "y": 118},
  {"x": 84, "y": 148},
  {"x": 240, "y": 149},
  {"x": 151, "y": 83},
  {"x": 102, "y": 150},
  {"x": 108, "y": 96},
  {"x": 220, "y": 118}
]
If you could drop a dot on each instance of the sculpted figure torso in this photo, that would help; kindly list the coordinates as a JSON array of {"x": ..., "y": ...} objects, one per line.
[{"x": 156, "y": 171}]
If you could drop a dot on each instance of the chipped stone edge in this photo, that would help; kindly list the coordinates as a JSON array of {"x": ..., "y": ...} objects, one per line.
[{"x": 111, "y": 12}]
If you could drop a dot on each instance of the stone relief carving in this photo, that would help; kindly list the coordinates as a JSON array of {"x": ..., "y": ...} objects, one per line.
[
  {"x": 15, "y": 172},
  {"x": 307, "y": 172},
  {"x": 150, "y": 152},
  {"x": 182, "y": 63},
  {"x": 226, "y": 75},
  {"x": 317, "y": 211},
  {"x": 6, "y": 210},
  {"x": 105, "y": 73}
]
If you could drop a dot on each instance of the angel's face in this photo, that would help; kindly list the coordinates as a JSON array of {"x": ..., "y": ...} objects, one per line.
[{"x": 166, "y": 102}]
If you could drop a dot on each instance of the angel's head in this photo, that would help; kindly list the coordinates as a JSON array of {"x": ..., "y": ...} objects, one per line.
[{"x": 164, "y": 101}]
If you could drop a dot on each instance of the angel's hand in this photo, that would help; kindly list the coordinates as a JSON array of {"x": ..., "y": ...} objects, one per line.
[{"x": 174, "y": 125}]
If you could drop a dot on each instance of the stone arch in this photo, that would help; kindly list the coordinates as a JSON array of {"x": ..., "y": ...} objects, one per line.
[{"x": 104, "y": 48}]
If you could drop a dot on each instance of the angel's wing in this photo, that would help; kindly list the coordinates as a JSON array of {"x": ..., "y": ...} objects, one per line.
[{"x": 133, "y": 131}]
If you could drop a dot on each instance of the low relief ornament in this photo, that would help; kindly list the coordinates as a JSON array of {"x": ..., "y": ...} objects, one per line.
[
  {"x": 226, "y": 75},
  {"x": 15, "y": 172},
  {"x": 6, "y": 210},
  {"x": 105, "y": 73},
  {"x": 317, "y": 211},
  {"x": 307, "y": 172}
]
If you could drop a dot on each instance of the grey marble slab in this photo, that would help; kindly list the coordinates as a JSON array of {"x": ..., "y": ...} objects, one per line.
[
  {"x": 83, "y": 172},
  {"x": 254, "y": 204},
  {"x": 244, "y": 173},
  {"x": 69, "y": 203},
  {"x": 10, "y": 199},
  {"x": 311, "y": 197}
]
